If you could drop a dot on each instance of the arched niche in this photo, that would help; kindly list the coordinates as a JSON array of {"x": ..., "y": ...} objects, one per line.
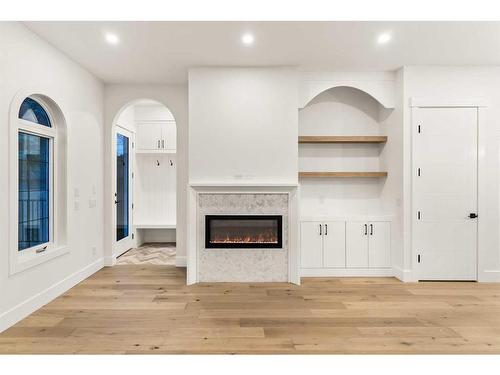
[
  {"x": 341, "y": 110},
  {"x": 381, "y": 91}
]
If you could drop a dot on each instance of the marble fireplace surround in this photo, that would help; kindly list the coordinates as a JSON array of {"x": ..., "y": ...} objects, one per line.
[{"x": 242, "y": 265}]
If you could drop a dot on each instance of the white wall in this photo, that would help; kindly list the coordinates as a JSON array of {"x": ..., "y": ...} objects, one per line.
[
  {"x": 242, "y": 124},
  {"x": 29, "y": 63},
  {"x": 116, "y": 98},
  {"x": 449, "y": 83},
  {"x": 127, "y": 119}
]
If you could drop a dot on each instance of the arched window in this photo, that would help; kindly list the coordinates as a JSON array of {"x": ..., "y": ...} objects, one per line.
[
  {"x": 33, "y": 111},
  {"x": 36, "y": 137}
]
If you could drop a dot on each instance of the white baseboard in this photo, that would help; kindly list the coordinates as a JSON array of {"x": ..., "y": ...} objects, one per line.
[
  {"x": 109, "y": 261},
  {"x": 402, "y": 274},
  {"x": 19, "y": 312},
  {"x": 346, "y": 272},
  {"x": 489, "y": 276},
  {"x": 180, "y": 261}
]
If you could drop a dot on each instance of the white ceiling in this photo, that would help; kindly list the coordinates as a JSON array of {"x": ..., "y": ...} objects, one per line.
[{"x": 162, "y": 52}]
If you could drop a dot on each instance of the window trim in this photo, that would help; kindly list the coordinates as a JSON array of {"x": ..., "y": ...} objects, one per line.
[{"x": 20, "y": 260}]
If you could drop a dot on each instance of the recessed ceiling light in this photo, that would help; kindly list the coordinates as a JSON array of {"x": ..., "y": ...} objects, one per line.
[
  {"x": 112, "y": 38},
  {"x": 247, "y": 39},
  {"x": 384, "y": 38}
]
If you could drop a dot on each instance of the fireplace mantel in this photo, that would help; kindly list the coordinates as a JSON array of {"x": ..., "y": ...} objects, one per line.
[{"x": 243, "y": 184}]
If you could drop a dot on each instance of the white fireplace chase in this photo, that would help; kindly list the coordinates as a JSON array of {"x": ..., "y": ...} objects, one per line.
[{"x": 242, "y": 234}]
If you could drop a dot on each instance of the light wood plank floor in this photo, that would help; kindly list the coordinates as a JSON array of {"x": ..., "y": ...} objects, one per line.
[{"x": 149, "y": 309}]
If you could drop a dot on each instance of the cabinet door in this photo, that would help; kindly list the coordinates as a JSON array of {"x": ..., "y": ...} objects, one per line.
[
  {"x": 334, "y": 244},
  {"x": 379, "y": 245},
  {"x": 311, "y": 245},
  {"x": 356, "y": 244},
  {"x": 169, "y": 135},
  {"x": 148, "y": 136}
]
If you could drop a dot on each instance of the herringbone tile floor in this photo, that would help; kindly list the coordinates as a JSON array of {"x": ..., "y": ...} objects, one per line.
[{"x": 162, "y": 254}]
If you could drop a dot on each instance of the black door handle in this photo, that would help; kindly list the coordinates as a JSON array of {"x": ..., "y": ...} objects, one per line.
[
  {"x": 472, "y": 215},
  {"x": 116, "y": 202}
]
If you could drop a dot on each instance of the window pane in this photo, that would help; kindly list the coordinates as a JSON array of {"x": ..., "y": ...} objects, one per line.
[
  {"x": 33, "y": 190},
  {"x": 32, "y": 111}
]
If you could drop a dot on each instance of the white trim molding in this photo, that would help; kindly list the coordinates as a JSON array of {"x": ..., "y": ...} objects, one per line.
[
  {"x": 347, "y": 272},
  {"x": 57, "y": 135},
  {"x": 22, "y": 310},
  {"x": 489, "y": 276},
  {"x": 180, "y": 261},
  {"x": 446, "y": 102}
]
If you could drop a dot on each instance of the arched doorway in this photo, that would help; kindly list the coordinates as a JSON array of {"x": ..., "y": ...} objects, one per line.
[{"x": 144, "y": 184}]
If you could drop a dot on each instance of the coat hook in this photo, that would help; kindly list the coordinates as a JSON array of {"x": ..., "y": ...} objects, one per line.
[
  {"x": 171, "y": 163},
  {"x": 157, "y": 163}
]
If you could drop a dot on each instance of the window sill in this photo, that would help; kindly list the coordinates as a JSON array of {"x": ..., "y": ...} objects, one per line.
[{"x": 21, "y": 262}]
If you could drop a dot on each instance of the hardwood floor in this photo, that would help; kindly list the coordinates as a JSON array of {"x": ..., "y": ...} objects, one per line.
[{"x": 149, "y": 309}]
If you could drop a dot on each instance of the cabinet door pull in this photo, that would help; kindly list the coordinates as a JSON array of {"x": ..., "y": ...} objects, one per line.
[
  {"x": 158, "y": 143},
  {"x": 366, "y": 229},
  {"x": 162, "y": 143},
  {"x": 326, "y": 229},
  {"x": 371, "y": 229},
  {"x": 320, "y": 230}
]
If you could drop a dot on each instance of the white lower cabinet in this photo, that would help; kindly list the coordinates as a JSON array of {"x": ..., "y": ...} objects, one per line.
[
  {"x": 334, "y": 244},
  {"x": 379, "y": 244},
  {"x": 322, "y": 244},
  {"x": 311, "y": 244},
  {"x": 345, "y": 244},
  {"x": 357, "y": 244}
]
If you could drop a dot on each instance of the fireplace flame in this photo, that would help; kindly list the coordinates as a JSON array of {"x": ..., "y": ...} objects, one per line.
[{"x": 266, "y": 237}]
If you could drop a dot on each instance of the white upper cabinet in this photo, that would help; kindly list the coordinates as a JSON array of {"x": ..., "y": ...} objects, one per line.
[
  {"x": 148, "y": 136},
  {"x": 169, "y": 135},
  {"x": 157, "y": 136}
]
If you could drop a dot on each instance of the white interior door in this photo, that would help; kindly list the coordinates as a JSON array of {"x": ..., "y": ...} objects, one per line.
[
  {"x": 445, "y": 193},
  {"x": 356, "y": 244},
  {"x": 311, "y": 244},
  {"x": 334, "y": 244},
  {"x": 123, "y": 196}
]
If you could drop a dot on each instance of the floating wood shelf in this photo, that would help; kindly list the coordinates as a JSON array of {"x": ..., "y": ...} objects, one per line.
[
  {"x": 341, "y": 174},
  {"x": 342, "y": 139}
]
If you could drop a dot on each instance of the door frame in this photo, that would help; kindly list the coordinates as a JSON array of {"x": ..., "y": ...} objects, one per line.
[
  {"x": 415, "y": 104},
  {"x": 125, "y": 244}
]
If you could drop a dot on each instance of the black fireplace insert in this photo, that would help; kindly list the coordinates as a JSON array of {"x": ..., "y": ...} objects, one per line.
[{"x": 243, "y": 231}]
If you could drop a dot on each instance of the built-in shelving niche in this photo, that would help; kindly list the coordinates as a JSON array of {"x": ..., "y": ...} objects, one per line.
[{"x": 341, "y": 142}]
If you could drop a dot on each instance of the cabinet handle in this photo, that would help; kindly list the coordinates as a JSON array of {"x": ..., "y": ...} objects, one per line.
[
  {"x": 366, "y": 229},
  {"x": 371, "y": 229},
  {"x": 320, "y": 230},
  {"x": 162, "y": 143},
  {"x": 326, "y": 229},
  {"x": 158, "y": 143}
]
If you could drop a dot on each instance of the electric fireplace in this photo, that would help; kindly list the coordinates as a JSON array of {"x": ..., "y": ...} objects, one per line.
[{"x": 243, "y": 231}]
